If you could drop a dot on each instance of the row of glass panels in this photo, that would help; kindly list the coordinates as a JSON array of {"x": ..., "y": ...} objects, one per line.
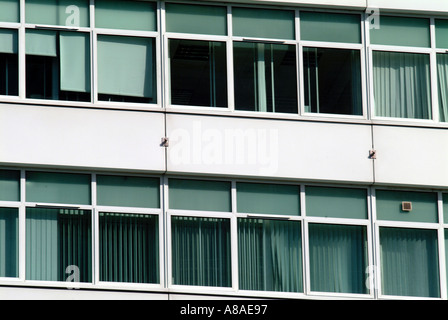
[
  {"x": 273, "y": 233},
  {"x": 59, "y": 63}
]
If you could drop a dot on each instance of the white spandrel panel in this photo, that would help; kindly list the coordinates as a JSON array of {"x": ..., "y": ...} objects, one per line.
[
  {"x": 411, "y": 156},
  {"x": 342, "y": 4},
  {"x": 269, "y": 148},
  {"x": 81, "y": 138}
]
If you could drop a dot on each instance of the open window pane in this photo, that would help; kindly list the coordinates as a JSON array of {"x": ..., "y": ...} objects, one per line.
[
  {"x": 402, "y": 87},
  {"x": 265, "y": 77},
  {"x": 201, "y": 251},
  {"x": 338, "y": 258},
  {"x": 9, "y": 81},
  {"x": 270, "y": 255},
  {"x": 126, "y": 15},
  {"x": 126, "y": 69},
  {"x": 330, "y": 27},
  {"x": 9, "y": 10},
  {"x": 198, "y": 73},
  {"x": 129, "y": 249},
  {"x": 57, "y": 239},
  {"x": 69, "y": 13},
  {"x": 9, "y": 242},
  {"x": 57, "y": 65},
  {"x": 409, "y": 262},
  {"x": 332, "y": 81},
  {"x": 263, "y": 23},
  {"x": 196, "y": 19}
]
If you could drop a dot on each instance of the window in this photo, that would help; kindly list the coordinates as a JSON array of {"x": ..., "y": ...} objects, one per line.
[
  {"x": 402, "y": 86},
  {"x": 338, "y": 251},
  {"x": 9, "y": 82},
  {"x": 9, "y": 242},
  {"x": 265, "y": 76},
  {"x": 332, "y": 71},
  {"x": 409, "y": 256},
  {"x": 441, "y": 27},
  {"x": 197, "y": 67},
  {"x": 200, "y": 232},
  {"x": 269, "y": 246},
  {"x": 127, "y": 60}
]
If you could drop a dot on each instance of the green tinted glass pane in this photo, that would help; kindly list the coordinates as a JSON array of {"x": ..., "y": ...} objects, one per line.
[
  {"x": 9, "y": 185},
  {"x": 9, "y": 242},
  {"x": 128, "y": 191},
  {"x": 336, "y": 202},
  {"x": 445, "y": 207},
  {"x": 338, "y": 258},
  {"x": 8, "y": 41},
  {"x": 389, "y": 206},
  {"x": 128, "y": 248},
  {"x": 263, "y": 23},
  {"x": 441, "y": 33},
  {"x": 402, "y": 31},
  {"x": 201, "y": 251},
  {"x": 9, "y": 11},
  {"x": 333, "y": 27},
  {"x": 126, "y": 66},
  {"x": 259, "y": 241},
  {"x": 58, "y": 242},
  {"x": 268, "y": 198},
  {"x": 409, "y": 262},
  {"x": 69, "y": 13},
  {"x": 196, "y": 19},
  {"x": 65, "y": 188},
  {"x": 200, "y": 195},
  {"x": 126, "y": 15}
]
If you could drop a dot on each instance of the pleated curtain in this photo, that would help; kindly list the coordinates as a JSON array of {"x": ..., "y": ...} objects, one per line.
[
  {"x": 442, "y": 76},
  {"x": 409, "y": 262},
  {"x": 338, "y": 258},
  {"x": 270, "y": 255},
  {"x": 402, "y": 86},
  {"x": 55, "y": 240},
  {"x": 129, "y": 248},
  {"x": 201, "y": 251}
]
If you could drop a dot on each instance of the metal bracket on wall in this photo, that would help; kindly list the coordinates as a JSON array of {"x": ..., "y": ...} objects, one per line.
[
  {"x": 165, "y": 142},
  {"x": 372, "y": 154}
]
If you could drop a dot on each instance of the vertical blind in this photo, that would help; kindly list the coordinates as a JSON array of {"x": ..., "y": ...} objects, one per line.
[
  {"x": 442, "y": 77},
  {"x": 129, "y": 250},
  {"x": 9, "y": 242},
  {"x": 409, "y": 262},
  {"x": 338, "y": 258},
  {"x": 201, "y": 251},
  {"x": 270, "y": 255},
  {"x": 402, "y": 86},
  {"x": 55, "y": 240}
]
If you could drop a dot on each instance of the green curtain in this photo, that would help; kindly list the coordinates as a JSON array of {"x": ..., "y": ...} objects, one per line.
[
  {"x": 442, "y": 77},
  {"x": 126, "y": 66},
  {"x": 55, "y": 240},
  {"x": 270, "y": 255},
  {"x": 201, "y": 251},
  {"x": 129, "y": 250},
  {"x": 9, "y": 242},
  {"x": 402, "y": 85},
  {"x": 409, "y": 262},
  {"x": 338, "y": 258}
]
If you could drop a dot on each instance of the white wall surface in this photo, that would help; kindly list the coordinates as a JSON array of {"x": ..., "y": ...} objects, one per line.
[
  {"x": 411, "y": 156},
  {"x": 81, "y": 138},
  {"x": 418, "y": 6},
  {"x": 273, "y": 148}
]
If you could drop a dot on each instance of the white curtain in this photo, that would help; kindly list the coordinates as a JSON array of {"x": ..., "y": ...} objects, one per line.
[
  {"x": 402, "y": 86},
  {"x": 442, "y": 75}
]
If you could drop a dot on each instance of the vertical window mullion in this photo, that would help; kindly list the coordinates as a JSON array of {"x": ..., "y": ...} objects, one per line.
[
  {"x": 433, "y": 73},
  {"x": 442, "y": 249},
  {"x": 230, "y": 82}
]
